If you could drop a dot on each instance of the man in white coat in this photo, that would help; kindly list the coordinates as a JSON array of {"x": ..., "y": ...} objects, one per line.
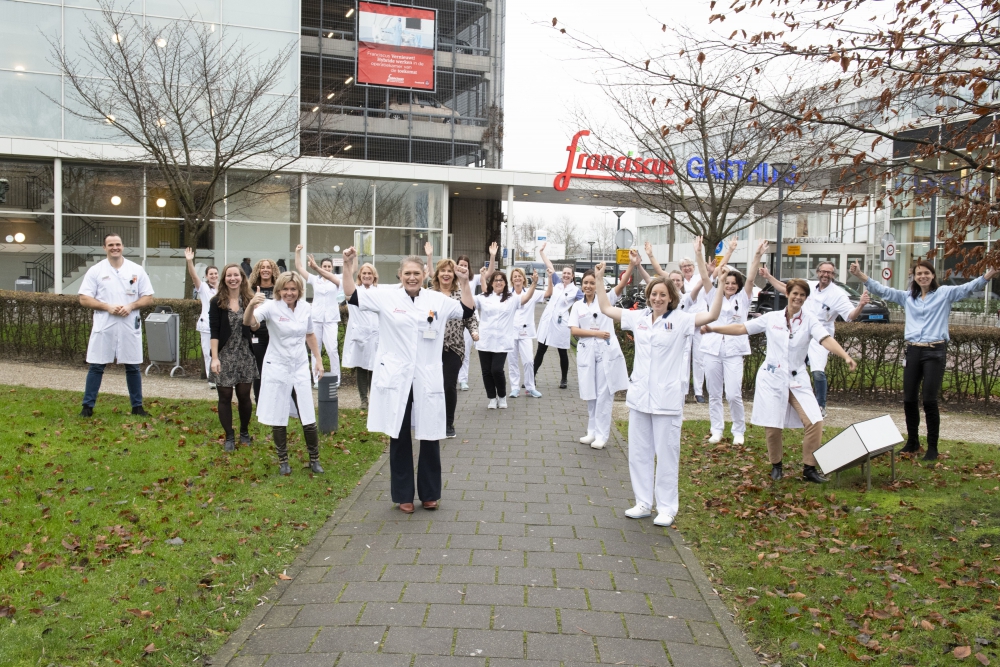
[{"x": 116, "y": 289}]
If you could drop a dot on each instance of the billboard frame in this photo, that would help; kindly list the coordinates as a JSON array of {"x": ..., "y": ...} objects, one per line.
[{"x": 357, "y": 54}]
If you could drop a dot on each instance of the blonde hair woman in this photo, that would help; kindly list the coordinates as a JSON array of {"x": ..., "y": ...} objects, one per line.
[
  {"x": 262, "y": 278},
  {"x": 232, "y": 363},
  {"x": 520, "y": 361},
  {"x": 453, "y": 354},
  {"x": 361, "y": 336},
  {"x": 286, "y": 377}
]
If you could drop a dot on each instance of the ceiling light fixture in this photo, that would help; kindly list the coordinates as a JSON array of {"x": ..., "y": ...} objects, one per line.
[
  {"x": 349, "y": 81},
  {"x": 161, "y": 202},
  {"x": 330, "y": 96},
  {"x": 350, "y": 13},
  {"x": 116, "y": 200},
  {"x": 348, "y": 147},
  {"x": 315, "y": 109},
  {"x": 19, "y": 237}
]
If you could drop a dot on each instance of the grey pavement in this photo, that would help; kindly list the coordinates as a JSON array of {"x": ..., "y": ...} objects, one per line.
[{"x": 529, "y": 560}]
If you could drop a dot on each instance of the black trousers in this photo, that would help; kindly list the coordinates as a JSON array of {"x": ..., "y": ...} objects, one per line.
[
  {"x": 401, "y": 464},
  {"x": 494, "y": 375},
  {"x": 563, "y": 359},
  {"x": 926, "y": 365},
  {"x": 259, "y": 350},
  {"x": 452, "y": 364}
]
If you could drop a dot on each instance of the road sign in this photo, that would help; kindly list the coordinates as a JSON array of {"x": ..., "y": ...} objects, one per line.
[
  {"x": 624, "y": 238},
  {"x": 887, "y": 273},
  {"x": 621, "y": 256},
  {"x": 505, "y": 253},
  {"x": 793, "y": 250},
  {"x": 887, "y": 239},
  {"x": 889, "y": 252},
  {"x": 718, "y": 248}
]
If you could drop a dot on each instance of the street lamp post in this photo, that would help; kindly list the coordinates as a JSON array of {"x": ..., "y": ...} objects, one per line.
[
  {"x": 619, "y": 213},
  {"x": 591, "y": 253},
  {"x": 781, "y": 214}
]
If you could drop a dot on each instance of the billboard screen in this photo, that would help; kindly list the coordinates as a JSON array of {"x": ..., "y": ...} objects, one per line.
[{"x": 396, "y": 46}]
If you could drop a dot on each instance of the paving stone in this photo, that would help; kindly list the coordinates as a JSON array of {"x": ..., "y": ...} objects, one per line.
[
  {"x": 685, "y": 589},
  {"x": 708, "y": 634},
  {"x": 458, "y": 616},
  {"x": 307, "y": 660},
  {"x": 312, "y": 593},
  {"x": 248, "y": 661},
  {"x": 468, "y": 574},
  {"x": 422, "y": 641},
  {"x": 703, "y": 656},
  {"x": 583, "y": 579},
  {"x": 569, "y": 598},
  {"x": 658, "y": 628},
  {"x": 444, "y": 556},
  {"x": 344, "y": 613},
  {"x": 279, "y": 640},
  {"x": 373, "y": 660},
  {"x": 448, "y": 661},
  {"x": 593, "y": 623},
  {"x": 566, "y": 648},
  {"x": 357, "y": 639},
  {"x": 341, "y": 573},
  {"x": 440, "y": 593},
  {"x": 525, "y": 618},
  {"x": 280, "y": 616},
  {"x": 694, "y": 610},
  {"x": 488, "y": 594},
  {"x": 495, "y": 558},
  {"x": 632, "y": 652},
  {"x": 527, "y": 576},
  {"x": 490, "y": 643},
  {"x": 613, "y": 563},
  {"x": 393, "y": 613},
  {"x": 475, "y": 542},
  {"x": 622, "y": 601},
  {"x": 411, "y": 573},
  {"x": 365, "y": 591}
]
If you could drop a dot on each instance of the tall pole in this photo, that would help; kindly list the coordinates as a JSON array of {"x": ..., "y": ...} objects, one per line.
[
  {"x": 510, "y": 225},
  {"x": 618, "y": 213},
  {"x": 777, "y": 252},
  {"x": 591, "y": 253},
  {"x": 57, "y": 227}
]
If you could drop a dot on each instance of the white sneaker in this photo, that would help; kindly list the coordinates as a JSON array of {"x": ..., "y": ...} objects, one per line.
[
  {"x": 715, "y": 439},
  {"x": 822, "y": 411},
  {"x": 515, "y": 393},
  {"x": 663, "y": 519},
  {"x": 638, "y": 512},
  {"x": 597, "y": 444},
  {"x": 492, "y": 405},
  {"x": 463, "y": 386},
  {"x": 587, "y": 439},
  {"x": 502, "y": 403},
  {"x": 738, "y": 439}
]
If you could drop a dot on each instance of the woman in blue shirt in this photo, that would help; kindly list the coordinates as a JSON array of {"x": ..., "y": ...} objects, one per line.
[{"x": 927, "y": 306}]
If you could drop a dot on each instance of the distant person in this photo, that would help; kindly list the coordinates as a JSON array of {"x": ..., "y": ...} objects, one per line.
[
  {"x": 204, "y": 290},
  {"x": 281, "y": 266},
  {"x": 116, "y": 289},
  {"x": 246, "y": 266},
  {"x": 263, "y": 277}
]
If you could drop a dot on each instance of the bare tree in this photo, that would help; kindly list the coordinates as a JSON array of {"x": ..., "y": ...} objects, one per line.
[
  {"x": 566, "y": 232},
  {"x": 602, "y": 232},
  {"x": 191, "y": 103},
  {"x": 714, "y": 160},
  {"x": 918, "y": 82},
  {"x": 525, "y": 230}
]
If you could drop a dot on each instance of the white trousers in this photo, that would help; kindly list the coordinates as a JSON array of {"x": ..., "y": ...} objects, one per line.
[
  {"x": 725, "y": 372},
  {"x": 656, "y": 436},
  {"x": 206, "y": 351},
  {"x": 599, "y": 409},
  {"x": 521, "y": 360},
  {"x": 463, "y": 372},
  {"x": 326, "y": 332},
  {"x": 697, "y": 364}
]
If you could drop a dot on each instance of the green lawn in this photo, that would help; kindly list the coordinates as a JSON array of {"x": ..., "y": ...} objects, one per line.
[
  {"x": 905, "y": 574},
  {"x": 87, "y": 574}
]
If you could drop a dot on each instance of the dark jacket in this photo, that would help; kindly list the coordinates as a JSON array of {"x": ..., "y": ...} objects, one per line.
[{"x": 218, "y": 323}]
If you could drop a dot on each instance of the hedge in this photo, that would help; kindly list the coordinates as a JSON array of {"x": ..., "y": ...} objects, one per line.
[
  {"x": 971, "y": 378},
  {"x": 36, "y": 326}
]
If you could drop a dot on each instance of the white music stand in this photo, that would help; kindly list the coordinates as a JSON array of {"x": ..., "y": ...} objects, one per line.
[{"x": 858, "y": 444}]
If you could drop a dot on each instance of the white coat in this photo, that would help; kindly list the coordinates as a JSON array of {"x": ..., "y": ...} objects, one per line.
[
  {"x": 784, "y": 370},
  {"x": 591, "y": 351},
  {"x": 286, "y": 363},
  {"x": 658, "y": 369},
  {"x": 325, "y": 307},
  {"x": 734, "y": 311},
  {"x": 205, "y": 294},
  {"x": 113, "y": 337},
  {"x": 825, "y": 306},
  {"x": 409, "y": 357},
  {"x": 361, "y": 337},
  {"x": 496, "y": 322},
  {"x": 553, "y": 327},
  {"x": 524, "y": 318}
]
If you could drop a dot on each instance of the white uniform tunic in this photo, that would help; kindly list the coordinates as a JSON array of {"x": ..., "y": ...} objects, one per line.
[
  {"x": 361, "y": 337},
  {"x": 205, "y": 294},
  {"x": 593, "y": 352},
  {"x": 113, "y": 337},
  {"x": 496, "y": 322},
  {"x": 735, "y": 309},
  {"x": 722, "y": 359},
  {"x": 784, "y": 369},
  {"x": 825, "y": 306},
  {"x": 325, "y": 307},
  {"x": 524, "y": 318},
  {"x": 286, "y": 363},
  {"x": 553, "y": 327},
  {"x": 409, "y": 356},
  {"x": 657, "y": 369},
  {"x": 698, "y": 305},
  {"x": 521, "y": 360}
]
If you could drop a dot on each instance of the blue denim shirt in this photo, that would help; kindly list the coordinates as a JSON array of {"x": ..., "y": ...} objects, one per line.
[{"x": 926, "y": 318}]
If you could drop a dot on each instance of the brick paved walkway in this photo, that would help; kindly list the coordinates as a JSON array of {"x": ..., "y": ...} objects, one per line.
[{"x": 529, "y": 561}]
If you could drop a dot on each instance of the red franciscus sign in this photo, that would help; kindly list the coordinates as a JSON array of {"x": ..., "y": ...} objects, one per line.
[{"x": 611, "y": 167}]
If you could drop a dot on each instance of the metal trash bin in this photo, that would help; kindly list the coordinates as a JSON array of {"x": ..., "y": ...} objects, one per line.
[
  {"x": 329, "y": 411},
  {"x": 163, "y": 339},
  {"x": 24, "y": 284}
]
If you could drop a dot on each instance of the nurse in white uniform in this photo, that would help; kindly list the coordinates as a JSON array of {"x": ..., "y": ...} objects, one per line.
[
  {"x": 553, "y": 327},
  {"x": 497, "y": 309},
  {"x": 784, "y": 397},
  {"x": 115, "y": 288},
  {"x": 656, "y": 391},
  {"x": 466, "y": 263},
  {"x": 205, "y": 289},
  {"x": 600, "y": 363},
  {"x": 408, "y": 384},
  {"x": 285, "y": 377},
  {"x": 361, "y": 336},
  {"x": 520, "y": 361},
  {"x": 325, "y": 306},
  {"x": 722, "y": 357}
]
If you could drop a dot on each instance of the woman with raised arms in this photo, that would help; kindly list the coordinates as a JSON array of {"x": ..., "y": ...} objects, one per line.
[
  {"x": 325, "y": 307},
  {"x": 361, "y": 336},
  {"x": 553, "y": 327},
  {"x": 520, "y": 361},
  {"x": 454, "y": 345}
]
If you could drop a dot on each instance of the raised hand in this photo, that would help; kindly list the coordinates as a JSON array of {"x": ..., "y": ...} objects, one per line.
[
  {"x": 493, "y": 249},
  {"x": 550, "y": 271},
  {"x": 763, "y": 272},
  {"x": 855, "y": 269},
  {"x": 865, "y": 299},
  {"x": 648, "y": 247},
  {"x": 534, "y": 277},
  {"x": 257, "y": 299},
  {"x": 722, "y": 272},
  {"x": 311, "y": 260},
  {"x": 762, "y": 247},
  {"x": 599, "y": 271},
  {"x": 350, "y": 255},
  {"x": 697, "y": 244},
  {"x": 462, "y": 274},
  {"x": 428, "y": 248},
  {"x": 545, "y": 245},
  {"x": 633, "y": 256},
  {"x": 989, "y": 274},
  {"x": 733, "y": 243},
  {"x": 298, "y": 248},
  {"x": 188, "y": 254}
]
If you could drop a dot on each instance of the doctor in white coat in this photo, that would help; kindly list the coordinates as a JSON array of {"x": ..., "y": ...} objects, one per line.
[
  {"x": 662, "y": 334},
  {"x": 361, "y": 336},
  {"x": 325, "y": 307},
  {"x": 520, "y": 361},
  {"x": 205, "y": 289},
  {"x": 784, "y": 397},
  {"x": 553, "y": 327},
  {"x": 285, "y": 377},
  {"x": 600, "y": 364},
  {"x": 408, "y": 383},
  {"x": 115, "y": 288}
]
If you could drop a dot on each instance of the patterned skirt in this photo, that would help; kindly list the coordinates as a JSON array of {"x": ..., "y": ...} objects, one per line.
[{"x": 236, "y": 357}]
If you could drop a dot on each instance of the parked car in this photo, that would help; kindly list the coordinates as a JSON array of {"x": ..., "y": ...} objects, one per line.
[
  {"x": 876, "y": 311},
  {"x": 424, "y": 106}
]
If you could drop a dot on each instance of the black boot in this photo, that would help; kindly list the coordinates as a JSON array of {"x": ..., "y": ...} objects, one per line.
[
  {"x": 245, "y": 439},
  {"x": 364, "y": 377},
  {"x": 932, "y": 453},
  {"x": 312, "y": 444},
  {"x": 562, "y": 383},
  {"x": 912, "y": 447},
  {"x": 230, "y": 444},
  {"x": 776, "y": 472},
  {"x": 281, "y": 447},
  {"x": 811, "y": 474}
]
